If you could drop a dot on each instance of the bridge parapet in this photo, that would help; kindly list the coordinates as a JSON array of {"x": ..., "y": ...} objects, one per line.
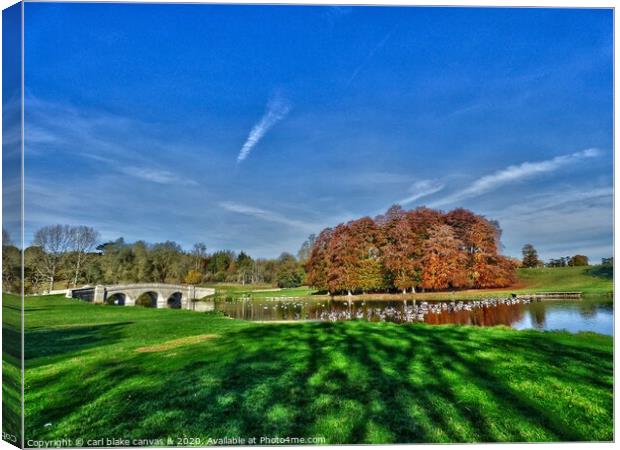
[{"x": 167, "y": 295}]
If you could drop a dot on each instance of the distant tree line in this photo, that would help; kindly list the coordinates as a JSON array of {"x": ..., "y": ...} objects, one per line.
[
  {"x": 417, "y": 249},
  {"x": 401, "y": 250},
  {"x": 11, "y": 264},
  {"x": 568, "y": 261},
  {"x": 63, "y": 256},
  {"x": 530, "y": 259}
]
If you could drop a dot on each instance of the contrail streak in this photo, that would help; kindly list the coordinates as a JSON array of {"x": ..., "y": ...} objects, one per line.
[{"x": 277, "y": 109}]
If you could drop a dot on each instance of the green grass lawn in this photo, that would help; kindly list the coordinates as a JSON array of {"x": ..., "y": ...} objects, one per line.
[
  {"x": 94, "y": 371},
  {"x": 11, "y": 369},
  {"x": 588, "y": 279},
  {"x": 260, "y": 291}
]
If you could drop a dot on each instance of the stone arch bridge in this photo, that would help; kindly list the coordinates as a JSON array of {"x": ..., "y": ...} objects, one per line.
[{"x": 155, "y": 295}]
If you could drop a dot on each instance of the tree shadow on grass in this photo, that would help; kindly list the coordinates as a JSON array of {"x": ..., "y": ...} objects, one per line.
[
  {"x": 351, "y": 383},
  {"x": 59, "y": 341},
  {"x": 604, "y": 271},
  {"x": 428, "y": 395},
  {"x": 11, "y": 341},
  {"x": 514, "y": 404}
]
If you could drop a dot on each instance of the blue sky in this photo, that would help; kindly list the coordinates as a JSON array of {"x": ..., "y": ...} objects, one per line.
[
  {"x": 11, "y": 123},
  {"x": 250, "y": 127}
]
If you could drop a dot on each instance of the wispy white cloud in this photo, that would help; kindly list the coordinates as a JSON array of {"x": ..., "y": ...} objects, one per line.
[
  {"x": 115, "y": 141},
  {"x": 554, "y": 200},
  {"x": 156, "y": 175},
  {"x": 277, "y": 109},
  {"x": 371, "y": 179},
  {"x": 516, "y": 173},
  {"x": 268, "y": 216},
  {"x": 369, "y": 56},
  {"x": 421, "y": 189},
  {"x": 560, "y": 222}
]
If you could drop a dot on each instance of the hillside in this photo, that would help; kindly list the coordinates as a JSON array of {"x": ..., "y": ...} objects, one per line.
[{"x": 588, "y": 279}]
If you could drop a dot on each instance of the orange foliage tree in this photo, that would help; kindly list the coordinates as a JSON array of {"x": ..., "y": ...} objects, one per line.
[
  {"x": 403, "y": 250},
  {"x": 443, "y": 260}
]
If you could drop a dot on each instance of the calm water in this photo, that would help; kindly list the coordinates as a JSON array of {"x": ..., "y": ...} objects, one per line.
[{"x": 593, "y": 313}]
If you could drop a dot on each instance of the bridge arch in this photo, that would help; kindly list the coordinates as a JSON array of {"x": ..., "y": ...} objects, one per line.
[
  {"x": 148, "y": 299},
  {"x": 175, "y": 300},
  {"x": 117, "y": 299}
]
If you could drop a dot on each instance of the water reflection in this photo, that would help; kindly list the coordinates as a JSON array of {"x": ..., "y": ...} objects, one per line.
[
  {"x": 537, "y": 314},
  {"x": 588, "y": 314}
]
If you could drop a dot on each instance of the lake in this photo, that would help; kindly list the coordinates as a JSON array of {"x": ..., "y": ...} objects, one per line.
[{"x": 592, "y": 313}]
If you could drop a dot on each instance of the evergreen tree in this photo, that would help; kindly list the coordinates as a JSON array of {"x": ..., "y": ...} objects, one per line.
[{"x": 530, "y": 256}]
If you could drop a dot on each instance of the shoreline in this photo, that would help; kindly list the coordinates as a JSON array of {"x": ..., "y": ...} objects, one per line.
[{"x": 434, "y": 296}]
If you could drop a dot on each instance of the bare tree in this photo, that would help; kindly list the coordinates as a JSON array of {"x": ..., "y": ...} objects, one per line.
[
  {"x": 34, "y": 276},
  {"x": 11, "y": 264},
  {"x": 54, "y": 240},
  {"x": 199, "y": 252},
  {"x": 83, "y": 240}
]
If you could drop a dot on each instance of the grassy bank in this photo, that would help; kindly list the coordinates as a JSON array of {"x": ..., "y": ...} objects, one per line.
[
  {"x": 589, "y": 280},
  {"x": 95, "y": 371}
]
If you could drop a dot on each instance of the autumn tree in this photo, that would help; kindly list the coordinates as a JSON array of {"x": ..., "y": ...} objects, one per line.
[
  {"x": 578, "y": 260},
  {"x": 443, "y": 260},
  {"x": 356, "y": 247},
  {"x": 401, "y": 252},
  {"x": 405, "y": 249},
  {"x": 480, "y": 238},
  {"x": 370, "y": 275},
  {"x": 342, "y": 257},
  {"x": 193, "y": 277},
  {"x": 319, "y": 260}
]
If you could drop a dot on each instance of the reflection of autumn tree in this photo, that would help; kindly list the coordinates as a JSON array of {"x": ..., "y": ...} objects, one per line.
[
  {"x": 491, "y": 316},
  {"x": 537, "y": 314},
  {"x": 503, "y": 314},
  {"x": 587, "y": 310}
]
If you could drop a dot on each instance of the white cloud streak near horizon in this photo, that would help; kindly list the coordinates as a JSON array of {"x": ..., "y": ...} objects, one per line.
[
  {"x": 157, "y": 175},
  {"x": 516, "y": 173},
  {"x": 268, "y": 216},
  {"x": 277, "y": 109}
]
